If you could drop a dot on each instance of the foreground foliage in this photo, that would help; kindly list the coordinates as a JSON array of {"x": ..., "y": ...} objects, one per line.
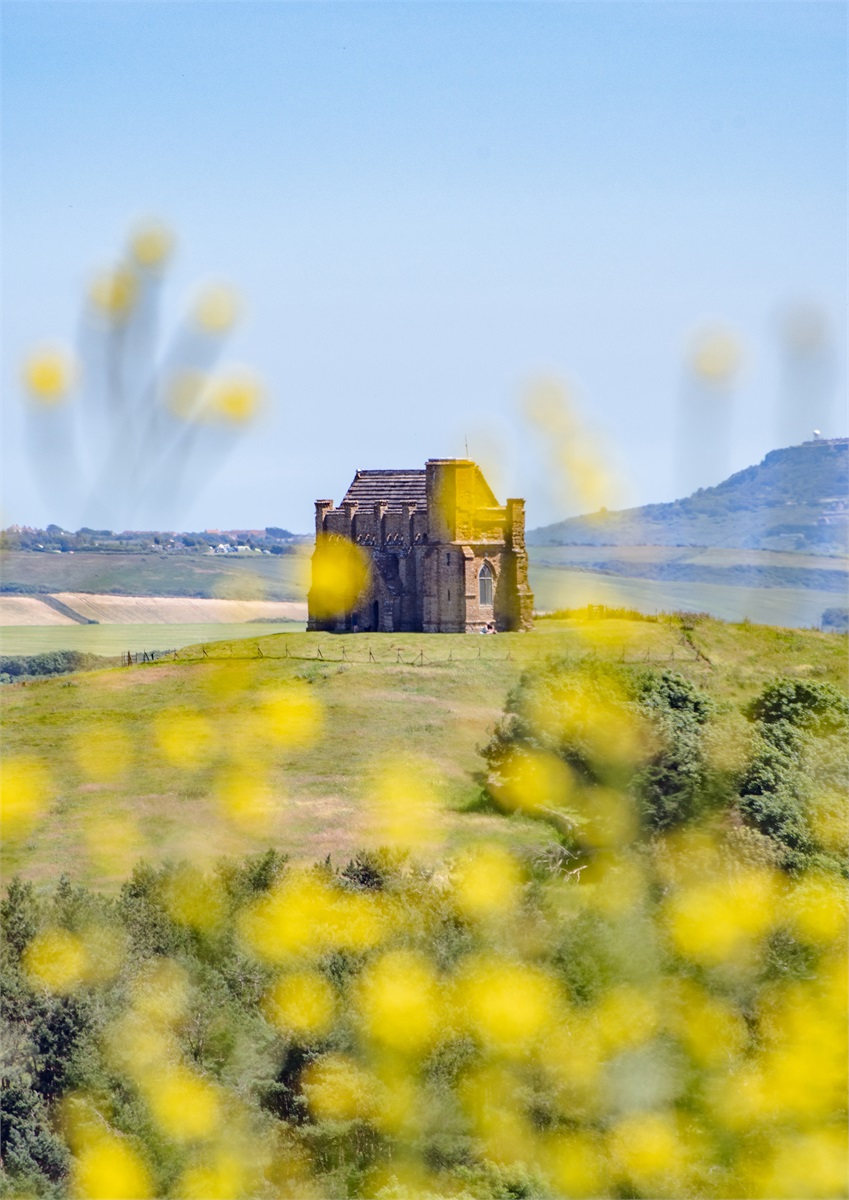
[{"x": 655, "y": 1005}]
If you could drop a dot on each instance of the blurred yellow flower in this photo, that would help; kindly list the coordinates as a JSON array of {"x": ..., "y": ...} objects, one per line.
[
  {"x": 532, "y": 782},
  {"x": 161, "y": 991},
  {"x": 24, "y": 795},
  {"x": 113, "y": 842},
  {"x": 106, "y": 1167},
  {"x": 653, "y": 1152},
  {"x": 340, "y": 573},
  {"x": 302, "y": 1003},
  {"x": 713, "y": 1032},
  {"x": 507, "y": 1004},
  {"x": 151, "y": 244},
  {"x": 716, "y": 356},
  {"x": 487, "y": 883},
  {"x": 49, "y": 374},
  {"x": 290, "y": 716},
  {"x": 56, "y": 959},
  {"x": 627, "y": 1016},
  {"x": 217, "y": 308},
  {"x": 720, "y": 920},
  {"x": 194, "y": 899},
  {"x": 812, "y": 1164},
  {"x": 303, "y": 917},
  {"x": 234, "y": 398},
  {"x": 245, "y": 799},
  {"x": 183, "y": 393},
  {"x": 575, "y": 1165},
  {"x": 113, "y": 293},
  {"x": 223, "y": 1175},
  {"x": 339, "y": 1089},
  {"x": 398, "y": 1002},
  {"x": 816, "y": 908},
  {"x": 185, "y": 1106},
  {"x": 402, "y": 804},
  {"x": 185, "y": 738}
]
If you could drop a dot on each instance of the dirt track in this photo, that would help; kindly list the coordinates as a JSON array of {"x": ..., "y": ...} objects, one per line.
[{"x": 146, "y": 610}]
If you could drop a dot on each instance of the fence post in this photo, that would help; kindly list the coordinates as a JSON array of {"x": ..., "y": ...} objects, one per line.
[{"x": 421, "y": 658}]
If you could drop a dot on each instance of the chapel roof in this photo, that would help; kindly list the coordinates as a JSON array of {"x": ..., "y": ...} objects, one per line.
[{"x": 394, "y": 488}]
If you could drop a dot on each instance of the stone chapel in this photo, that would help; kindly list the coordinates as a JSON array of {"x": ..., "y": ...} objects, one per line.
[{"x": 445, "y": 556}]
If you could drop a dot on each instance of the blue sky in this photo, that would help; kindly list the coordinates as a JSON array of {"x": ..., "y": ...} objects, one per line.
[{"x": 428, "y": 206}]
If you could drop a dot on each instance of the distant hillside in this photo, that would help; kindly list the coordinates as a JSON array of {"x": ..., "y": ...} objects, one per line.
[{"x": 795, "y": 500}]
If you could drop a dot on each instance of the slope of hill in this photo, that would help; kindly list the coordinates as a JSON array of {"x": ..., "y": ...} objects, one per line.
[
  {"x": 143, "y": 752},
  {"x": 795, "y": 500}
]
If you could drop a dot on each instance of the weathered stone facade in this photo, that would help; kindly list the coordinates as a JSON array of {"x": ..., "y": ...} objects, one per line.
[{"x": 445, "y": 556}]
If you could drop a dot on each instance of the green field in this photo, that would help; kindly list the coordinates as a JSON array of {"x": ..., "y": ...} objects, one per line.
[
  {"x": 371, "y": 699},
  {"x": 709, "y": 557},
  {"x": 555, "y": 588},
  {"x": 226, "y": 577},
  {"x": 118, "y": 639}
]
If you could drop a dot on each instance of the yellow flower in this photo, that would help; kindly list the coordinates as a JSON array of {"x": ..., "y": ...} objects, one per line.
[
  {"x": 57, "y": 960},
  {"x": 399, "y": 1003},
  {"x": 217, "y": 308},
  {"x": 719, "y": 921},
  {"x": 107, "y": 1168},
  {"x": 338, "y": 1089},
  {"x": 151, "y": 245},
  {"x": 113, "y": 293},
  {"x": 302, "y": 1003},
  {"x": 24, "y": 793},
  {"x": 487, "y": 883},
  {"x": 184, "y": 1105},
  {"x": 49, "y": 374},
  {"x": 340, "y": 573},
  {"x": 508, "y": 1005},
  {"x": 234, "y": 398}
]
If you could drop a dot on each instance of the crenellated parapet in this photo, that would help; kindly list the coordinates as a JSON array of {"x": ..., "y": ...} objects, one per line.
[{"x": 445, "y": 555}]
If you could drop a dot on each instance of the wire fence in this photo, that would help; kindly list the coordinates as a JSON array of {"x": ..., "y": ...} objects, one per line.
[
  {"x": 250, "y": 651},
  {"x": 401, "y": 656}
]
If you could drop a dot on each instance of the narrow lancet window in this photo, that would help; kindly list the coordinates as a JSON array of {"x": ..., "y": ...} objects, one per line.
[{"x": 485, "y": 584}]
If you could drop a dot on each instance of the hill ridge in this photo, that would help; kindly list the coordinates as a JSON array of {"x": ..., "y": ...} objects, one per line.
[{"x": 795, "y": 499}]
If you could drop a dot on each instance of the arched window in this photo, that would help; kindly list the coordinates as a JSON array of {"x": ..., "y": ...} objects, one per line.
[{"x": 485, "y": 584}]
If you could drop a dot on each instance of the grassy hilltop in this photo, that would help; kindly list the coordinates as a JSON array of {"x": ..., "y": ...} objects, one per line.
[{"x": 102, "y": 738}]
